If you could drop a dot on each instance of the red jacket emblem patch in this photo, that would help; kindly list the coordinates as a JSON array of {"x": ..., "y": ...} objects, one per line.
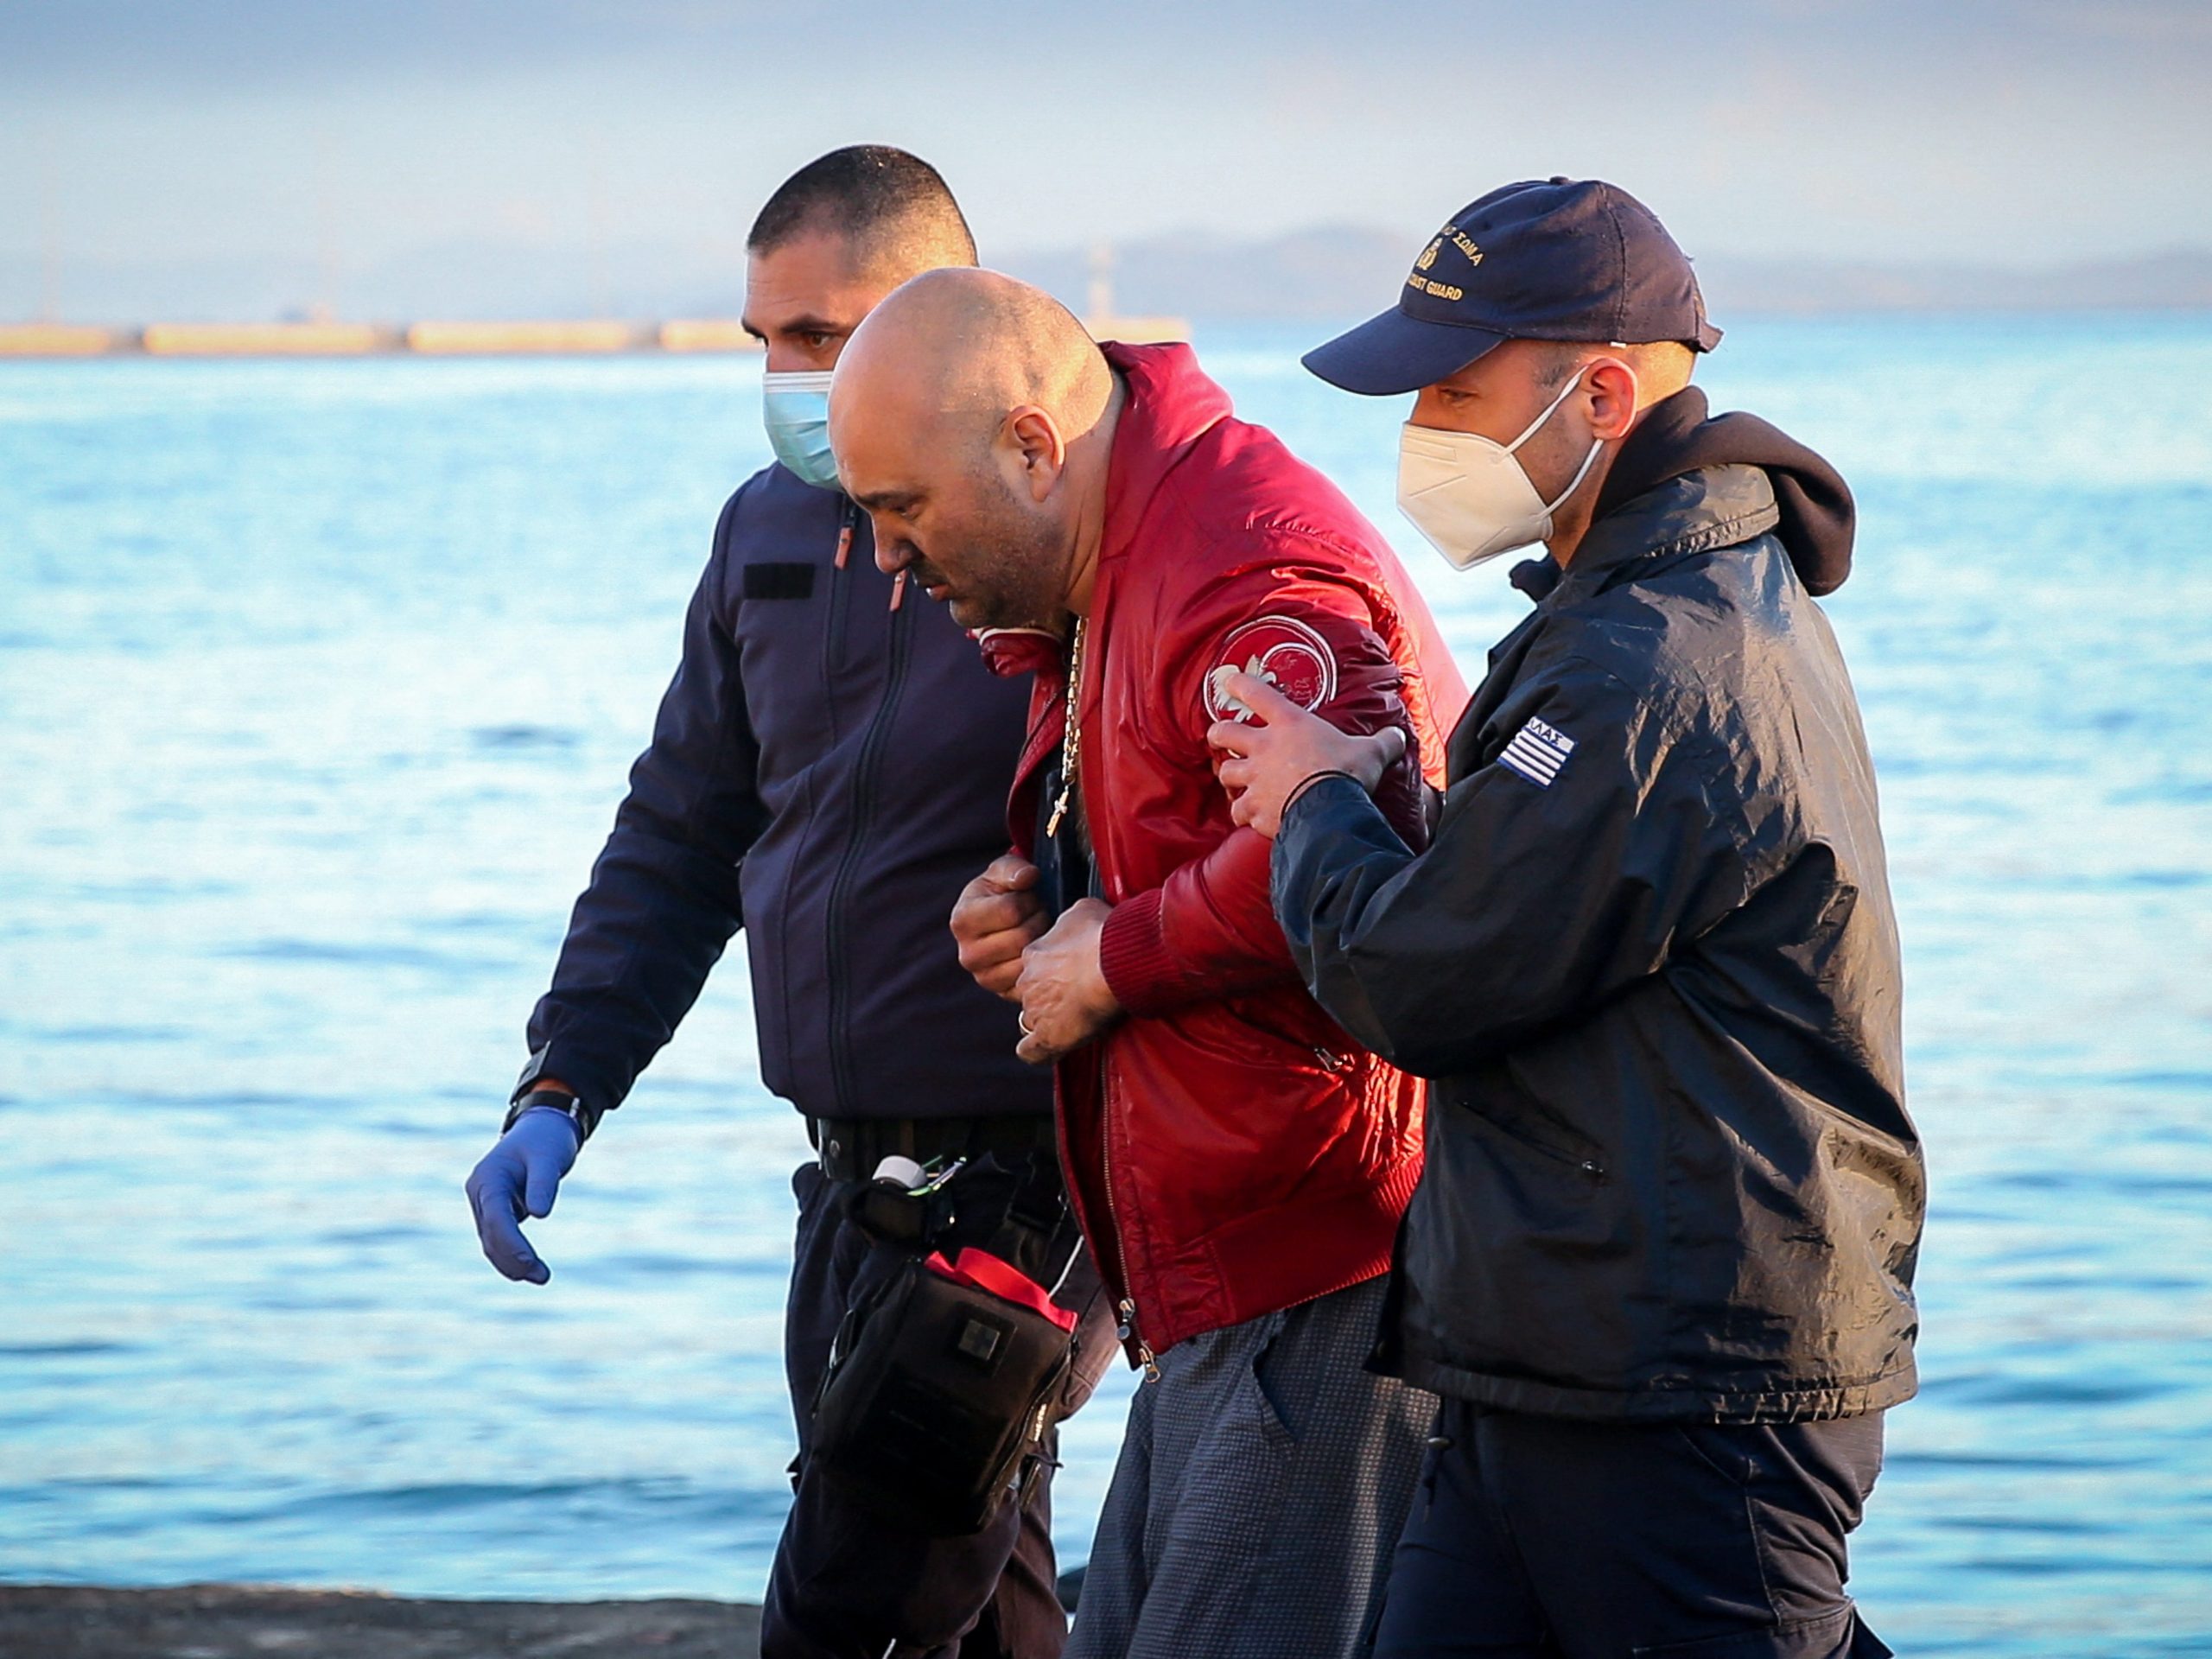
[{"x": 1284, "y": 652}]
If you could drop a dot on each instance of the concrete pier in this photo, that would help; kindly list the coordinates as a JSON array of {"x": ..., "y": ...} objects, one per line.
[
  {"x": 263, "y": 339},
  {"x": 55, "y": 340},
  {"x": 222, "y": 1621},
  {"x": 458, "y": 338},
  {"x": 593, "y": 338}
]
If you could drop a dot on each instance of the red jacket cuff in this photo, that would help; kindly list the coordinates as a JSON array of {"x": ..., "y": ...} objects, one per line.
[{"x": 1141, "y": 970}]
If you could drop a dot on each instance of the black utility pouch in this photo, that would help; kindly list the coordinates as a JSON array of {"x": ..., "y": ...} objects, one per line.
[
  {"x": 939, "y": 1400},
  {"x": 942, "y": 1393}
]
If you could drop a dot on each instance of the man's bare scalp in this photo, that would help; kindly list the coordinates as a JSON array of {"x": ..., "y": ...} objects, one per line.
[
  {"x": 973, "y": 417},
  {"x": 969, "y": 346}
]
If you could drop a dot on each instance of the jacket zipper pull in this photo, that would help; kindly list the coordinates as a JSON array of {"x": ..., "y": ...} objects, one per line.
[
  {"x": 1127, "y": 1331},
  {"x": 898, "y": 590},
  {"x": 844, "y": 544}
]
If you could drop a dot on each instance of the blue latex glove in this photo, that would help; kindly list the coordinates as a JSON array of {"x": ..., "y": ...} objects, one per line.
[{"x": 519, "y": 1177}]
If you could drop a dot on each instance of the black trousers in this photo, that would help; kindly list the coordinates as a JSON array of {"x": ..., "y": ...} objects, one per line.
[
  {"x": 1546, "y": 1538},
  {"x": 848, "y": 1583}
]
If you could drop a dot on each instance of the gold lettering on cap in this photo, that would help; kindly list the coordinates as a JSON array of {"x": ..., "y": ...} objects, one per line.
[{"x": 1437, "y": 290}]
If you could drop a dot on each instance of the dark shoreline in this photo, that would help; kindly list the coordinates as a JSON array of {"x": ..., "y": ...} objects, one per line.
[{"x": 231, "y": 1621}]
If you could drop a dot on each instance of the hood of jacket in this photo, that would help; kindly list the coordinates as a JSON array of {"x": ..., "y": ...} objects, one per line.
[
  {"x": 1678, "y": 435},
  {"x": 1172, "y": 403}
]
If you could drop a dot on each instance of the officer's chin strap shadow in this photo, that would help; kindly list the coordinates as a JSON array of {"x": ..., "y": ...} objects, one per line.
[{"x": 1010, "y": 1205}]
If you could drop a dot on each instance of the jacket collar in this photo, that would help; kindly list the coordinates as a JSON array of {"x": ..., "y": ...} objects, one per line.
[
  {"x": 1714, "y": 506},
  {"x": 1171, "y": 403}
]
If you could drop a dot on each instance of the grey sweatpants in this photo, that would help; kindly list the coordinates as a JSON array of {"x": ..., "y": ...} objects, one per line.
[{"x": 1261, "y": 1486}]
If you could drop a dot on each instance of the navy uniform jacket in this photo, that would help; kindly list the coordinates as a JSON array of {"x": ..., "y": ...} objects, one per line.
[
  {"x": 827, "y": 771},
  {"x": 1649, "y": 958}
]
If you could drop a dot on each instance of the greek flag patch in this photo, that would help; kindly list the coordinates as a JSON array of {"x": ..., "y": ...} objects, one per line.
[{"x": 1537, "y": 752}]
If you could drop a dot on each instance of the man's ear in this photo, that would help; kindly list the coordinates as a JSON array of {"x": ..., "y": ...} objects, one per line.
[
  {"x": 1035, "y": 438},
  {"x": 1612, "y": 389}
]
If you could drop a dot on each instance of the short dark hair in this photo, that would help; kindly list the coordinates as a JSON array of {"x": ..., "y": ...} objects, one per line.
[
  {"x": 1662, "y": 359},
  {"x": 884, "y": 201}
]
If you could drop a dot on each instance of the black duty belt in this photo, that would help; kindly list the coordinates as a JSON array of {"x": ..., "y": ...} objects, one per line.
[{"x": 852, "y": 1147}]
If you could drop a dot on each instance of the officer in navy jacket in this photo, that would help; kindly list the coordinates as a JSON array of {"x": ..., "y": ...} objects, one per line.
[
  {"x": 1659, "y": 1263},
  {"x": 830, "y": 766}
]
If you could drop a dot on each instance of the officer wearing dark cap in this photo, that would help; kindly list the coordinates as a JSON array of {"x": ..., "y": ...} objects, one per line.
[{"x": 1659, "y": 1267}]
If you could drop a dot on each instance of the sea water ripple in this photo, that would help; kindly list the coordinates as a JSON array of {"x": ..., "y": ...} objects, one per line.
[{"x": 318, "y": 682}]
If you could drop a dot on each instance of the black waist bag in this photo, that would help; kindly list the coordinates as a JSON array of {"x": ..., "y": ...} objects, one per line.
[{"x": 938, "y": 1401}]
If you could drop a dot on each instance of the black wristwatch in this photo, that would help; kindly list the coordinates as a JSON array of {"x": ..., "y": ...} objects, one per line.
[{"x": 567, "y": 1105}]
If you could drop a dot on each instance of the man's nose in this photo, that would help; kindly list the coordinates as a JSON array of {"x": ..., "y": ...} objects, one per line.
[{"x": 891, "y": 556}]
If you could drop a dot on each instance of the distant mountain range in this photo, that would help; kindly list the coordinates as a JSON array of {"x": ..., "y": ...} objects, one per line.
[
  {"x": 2178, "y": 279},
  {"x": 1344, "y": 270},
  {"x": 1326, "y": 272}
]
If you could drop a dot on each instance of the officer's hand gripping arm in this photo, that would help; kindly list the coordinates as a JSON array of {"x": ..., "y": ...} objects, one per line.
[
  {"x": 1534, "y": 901},
  {"x": 1210, "y": 930}
]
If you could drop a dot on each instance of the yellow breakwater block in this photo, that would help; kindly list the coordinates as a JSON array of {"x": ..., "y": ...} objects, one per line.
[
  {"x": 1139, "y": 331},
  {"x": 259, "y": 339},
  {"x": 519, "y": 339},
  {"x": 54, "y": 340},
  {"x": 705, "y": 334}
]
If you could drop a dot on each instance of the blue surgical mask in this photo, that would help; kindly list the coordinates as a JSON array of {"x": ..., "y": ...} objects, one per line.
[{"x": 796, "y": 408}]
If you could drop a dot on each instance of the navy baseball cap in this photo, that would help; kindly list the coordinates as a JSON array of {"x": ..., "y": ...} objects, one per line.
[{"x": 1572, "y": 259}]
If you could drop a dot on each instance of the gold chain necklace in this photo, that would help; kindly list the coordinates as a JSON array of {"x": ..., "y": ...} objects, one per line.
[{"x": 1071, "y": 731}]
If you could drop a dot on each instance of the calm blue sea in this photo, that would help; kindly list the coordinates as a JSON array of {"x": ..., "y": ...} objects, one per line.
[{"x": 318, "y": 683}]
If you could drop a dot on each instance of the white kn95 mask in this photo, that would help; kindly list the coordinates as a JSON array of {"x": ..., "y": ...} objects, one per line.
[{"x": 1470, "y": 496}]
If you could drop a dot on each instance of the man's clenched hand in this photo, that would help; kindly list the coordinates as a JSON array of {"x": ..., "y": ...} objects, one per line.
[
  {"x": 1262, "y": 767},
  {"x": 1065, "y": 1000},
  {"x": 997, "y": 916}
]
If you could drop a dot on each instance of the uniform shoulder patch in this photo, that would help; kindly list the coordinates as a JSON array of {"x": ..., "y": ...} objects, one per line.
[
  {"x": 1537, "y": 752},
  {"x": 1288, "y": 654}
]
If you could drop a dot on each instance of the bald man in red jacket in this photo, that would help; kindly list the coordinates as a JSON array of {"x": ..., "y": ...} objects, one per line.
[{"x": 1238, "y": 1162}]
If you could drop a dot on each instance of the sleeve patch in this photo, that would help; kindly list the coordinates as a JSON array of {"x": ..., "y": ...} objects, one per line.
[
  {"x": 1537, "y": 752},
  {"x": 1287, "y": 653}
]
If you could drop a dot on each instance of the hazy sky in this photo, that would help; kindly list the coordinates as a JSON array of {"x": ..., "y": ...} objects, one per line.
[{"x": 2027, "y": 132}]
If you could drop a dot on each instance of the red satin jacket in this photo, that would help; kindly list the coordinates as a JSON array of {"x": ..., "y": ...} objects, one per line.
[{"x": 1231, "y": 1150}]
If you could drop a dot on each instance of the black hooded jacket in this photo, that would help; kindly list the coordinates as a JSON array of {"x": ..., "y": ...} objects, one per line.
[{"x": 1650, "y": 962}]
